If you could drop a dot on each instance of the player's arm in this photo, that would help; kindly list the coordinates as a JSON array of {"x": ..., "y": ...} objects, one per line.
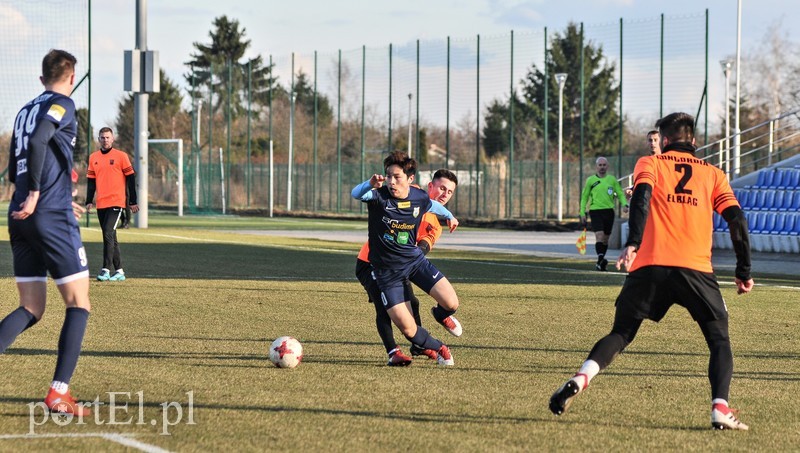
[
  {"x": 363, "y": 191},
  {"x": 430, "y": 231},
  {"x": 130, "y": 181},
  {"x": 637, "y": 219},
  {"x": 620, "y": 194},
  {"x": 740, "y": 237},
  {"x": 91, "y": 188},
  {"x": 439, "y": 209},
  {"x": 584, "y": 200},
  {"x": 12, "y": 159},
  {"x": 37, "y": 149}
]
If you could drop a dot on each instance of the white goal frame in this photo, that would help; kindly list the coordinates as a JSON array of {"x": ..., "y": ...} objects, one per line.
[{"x": 179, "y": 141}]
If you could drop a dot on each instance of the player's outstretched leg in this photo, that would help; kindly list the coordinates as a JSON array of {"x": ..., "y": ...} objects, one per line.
[
  {"x": 447, "y": 304},
  {"x": 14, "y": 324}
]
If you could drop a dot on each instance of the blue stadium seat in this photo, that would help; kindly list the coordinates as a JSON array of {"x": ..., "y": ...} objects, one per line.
[
  {"x": 777, "y": 200},
  {"x": 719, "y": 223},
  {"x": 743, "y": 197},
  {"x": 777, "y": 179},
  {"x": 752, "y": 217},
  {"x": 760, "y": 182},
  {"x": 791, "y": 179},
  {"x": 756, "y": 201},
  {"x": 769, "y": 176},
  {"x": 779, "y": 224},
  {"x": 795, "y": 206},
  {"x": 789, "y": 225}
]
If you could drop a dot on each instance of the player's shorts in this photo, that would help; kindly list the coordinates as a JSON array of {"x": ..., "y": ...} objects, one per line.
[
  {"x": 392, "y": 282},
  {"x": 649, "y": 292},
  {"x": 602, "y": 220},
  {"x": 48, "y": 241}
]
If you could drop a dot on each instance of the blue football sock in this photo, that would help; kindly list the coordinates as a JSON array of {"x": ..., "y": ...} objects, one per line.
[
  {"x": 440, "y": 313},
  {"x": 14, "y": 324},
  {"x": 69, "y": 344},
  {"x": 424, "y": 340}
]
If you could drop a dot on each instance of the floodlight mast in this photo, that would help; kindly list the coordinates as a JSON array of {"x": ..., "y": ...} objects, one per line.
[{"x": 561, "y": 79}]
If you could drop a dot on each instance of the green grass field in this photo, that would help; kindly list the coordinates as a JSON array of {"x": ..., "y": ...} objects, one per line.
[{"x": 203, "y": 302}]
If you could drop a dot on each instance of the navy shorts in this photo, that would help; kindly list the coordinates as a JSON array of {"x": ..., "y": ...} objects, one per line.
[
  {"x": 391, "y": 281},
  {"x": 48, "y": 241}
]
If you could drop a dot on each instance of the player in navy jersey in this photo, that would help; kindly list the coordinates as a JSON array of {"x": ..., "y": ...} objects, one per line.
[
  {"x": 42, "y": 224},
  {"x": 395, "y": 211}
]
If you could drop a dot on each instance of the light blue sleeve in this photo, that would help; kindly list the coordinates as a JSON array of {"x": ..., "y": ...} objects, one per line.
[
  {"x": 439, "y": 209},
  {"x": 362, "y": 191}
]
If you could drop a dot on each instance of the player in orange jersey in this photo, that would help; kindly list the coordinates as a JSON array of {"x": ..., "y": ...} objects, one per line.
[
  {"x": 111, "y": 175},
  {"x": 441, "y": 189},
  {"x": 668, "y": 255}
]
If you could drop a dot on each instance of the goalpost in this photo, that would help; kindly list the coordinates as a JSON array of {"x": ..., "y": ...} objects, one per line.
[{"x": 179, "y": 164}]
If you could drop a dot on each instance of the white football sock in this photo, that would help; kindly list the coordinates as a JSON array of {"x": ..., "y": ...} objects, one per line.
[
  {"x": 589, "y": 369},
  {"x": 60, "y": 387}
]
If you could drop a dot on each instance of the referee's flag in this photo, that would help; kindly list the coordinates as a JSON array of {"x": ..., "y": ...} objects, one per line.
[{"x": 581, "y": 243}]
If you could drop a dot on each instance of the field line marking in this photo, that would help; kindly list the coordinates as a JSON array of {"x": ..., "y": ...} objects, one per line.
[{"x": 122, "y": 439}]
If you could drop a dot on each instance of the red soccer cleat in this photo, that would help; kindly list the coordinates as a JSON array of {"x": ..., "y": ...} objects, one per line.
[{"x": 64, "y": 403}]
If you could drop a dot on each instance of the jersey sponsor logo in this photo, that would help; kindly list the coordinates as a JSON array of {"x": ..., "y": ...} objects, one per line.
[
  {"x": 404, "y": 204},
  {"x": 436, "y": 274},
  {"x": 111, "y": 162},
  {"x": 22, "y": 166},
  {"x": 56, "y": 112},
  {"x": 403, "y": 238},
  {"x": 416, "y": 212},
  {"x": 388, "y": 237},
  {"x": 398, "y": 225}
]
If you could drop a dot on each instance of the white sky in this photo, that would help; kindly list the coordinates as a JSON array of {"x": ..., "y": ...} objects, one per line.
[{"x": 280, "y": 27}]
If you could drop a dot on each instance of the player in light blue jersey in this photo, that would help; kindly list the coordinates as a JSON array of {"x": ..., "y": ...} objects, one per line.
[
  {"x": 395, "y": 211},
  {"x": 42, "y": 225}
]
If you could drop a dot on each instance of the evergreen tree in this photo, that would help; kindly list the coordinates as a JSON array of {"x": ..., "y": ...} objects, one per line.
[
  {"x": 218, "y": 67},
  {"x": 601, "y": 95}
]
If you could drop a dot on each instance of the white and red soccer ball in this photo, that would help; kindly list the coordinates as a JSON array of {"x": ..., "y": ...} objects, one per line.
[{"x": 286, "y": 352}]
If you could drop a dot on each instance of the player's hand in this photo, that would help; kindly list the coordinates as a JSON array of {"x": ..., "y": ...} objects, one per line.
[
  {"x": 27, "y": 207},
  {"x": 626, "y": 258},
  {"x": 376, "y": 181},
  {"x": 453, "y": 224},
  {"x": 744, "y": 287},
  {"x": 134, "y": 208},
  {"x": 625, "y": 209},
  {"x": 583, "y": 221},
  {"x": 78, "y": 210},
  {"x": 89, "y": 207}
]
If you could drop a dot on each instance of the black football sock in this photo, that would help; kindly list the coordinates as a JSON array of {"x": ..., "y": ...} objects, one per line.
[
  {"x": 424, "y": 340},
  {"x": 440, "y": 313},
  {"x": 384, "y": 325},
  {"x": 14, "y": 324},
  {"x": 415, "y": 309},
  {"x": 601, "y": 249},
  {"x": 69, "y": 343}
]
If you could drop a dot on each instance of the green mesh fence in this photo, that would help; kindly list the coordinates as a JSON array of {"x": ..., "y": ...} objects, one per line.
[{"x": 435, "y": 98}]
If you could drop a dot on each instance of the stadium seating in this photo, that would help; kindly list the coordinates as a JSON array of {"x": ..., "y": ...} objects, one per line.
[{"x": 772, "y": 207}]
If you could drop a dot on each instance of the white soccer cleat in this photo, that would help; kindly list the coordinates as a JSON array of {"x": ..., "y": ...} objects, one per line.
[
  {"x": 451, "y": 324},
  {"x": 722, "y": 417},
  {"x": 445, "y": 358}
]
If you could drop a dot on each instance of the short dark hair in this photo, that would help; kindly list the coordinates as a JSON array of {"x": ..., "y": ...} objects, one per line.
[
  {"x": 653, "y": 132},
  {"x": 446, "y": 174},
  {"x": 402, "y": 160},
  {"x": 677, "y": 127},
  {"x": 57, "y": 65},
  {"x": 105, "y": 129}
]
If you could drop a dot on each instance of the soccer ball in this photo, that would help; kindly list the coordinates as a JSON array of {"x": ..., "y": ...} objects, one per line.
[{"x": 286, "y": 352}]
